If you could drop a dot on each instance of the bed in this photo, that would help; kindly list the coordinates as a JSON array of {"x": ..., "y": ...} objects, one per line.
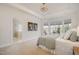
[{"x": 47, "y": 41}]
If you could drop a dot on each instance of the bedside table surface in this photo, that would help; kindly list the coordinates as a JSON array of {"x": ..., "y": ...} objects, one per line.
[{"x": 76, "y": 50}]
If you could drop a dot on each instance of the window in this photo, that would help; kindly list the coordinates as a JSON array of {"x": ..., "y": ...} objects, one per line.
[
  {"x": 56, "y": 28},
  {"x": 46, "y": 30},
  {"x": 65, "y": 27}
]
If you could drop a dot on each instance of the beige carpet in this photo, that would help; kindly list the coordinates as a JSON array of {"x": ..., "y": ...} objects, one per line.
[{"x": 24, "y": 48}]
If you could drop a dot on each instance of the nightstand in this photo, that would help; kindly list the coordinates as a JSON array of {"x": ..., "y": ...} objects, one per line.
[{"x": 76, "y": 50}]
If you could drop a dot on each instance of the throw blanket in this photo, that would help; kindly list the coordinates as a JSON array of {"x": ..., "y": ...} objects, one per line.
[{"x": 48, "y": 42}]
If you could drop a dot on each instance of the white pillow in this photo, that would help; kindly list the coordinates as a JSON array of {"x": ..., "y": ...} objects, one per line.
[
  {"x": 62, "y": 36},
  {"x": 73, "y": 36},
  {"x": 68, "y": 33}
]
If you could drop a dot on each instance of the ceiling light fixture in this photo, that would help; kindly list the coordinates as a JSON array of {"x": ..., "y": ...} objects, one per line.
[{"x": 44, "y": 7}]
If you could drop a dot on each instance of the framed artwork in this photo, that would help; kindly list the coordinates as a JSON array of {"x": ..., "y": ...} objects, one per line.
[
  {"x": 32, "y": 26},
  {"x": 35, "y": 26}
]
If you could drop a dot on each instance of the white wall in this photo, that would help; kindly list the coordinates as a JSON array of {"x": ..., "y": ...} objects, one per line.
[{"x": 7, "y": 14}]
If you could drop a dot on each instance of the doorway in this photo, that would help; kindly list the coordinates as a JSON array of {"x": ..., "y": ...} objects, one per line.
[{"x": 17, "y": 30}]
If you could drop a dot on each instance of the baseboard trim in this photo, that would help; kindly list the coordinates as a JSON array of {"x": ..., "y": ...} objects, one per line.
[
  {"x": 9, "y": 44},
  {"x": 5, "y": 45}
]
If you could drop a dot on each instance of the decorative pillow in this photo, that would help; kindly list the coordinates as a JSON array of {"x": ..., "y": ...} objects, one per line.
[
  {"x": 67, "y": 35},
  {"x": 73, "y": 36},
  {"x": 62, "y": 36}
]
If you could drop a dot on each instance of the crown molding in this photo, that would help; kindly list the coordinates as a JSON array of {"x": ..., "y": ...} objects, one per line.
[
  {"x": 52, "y": 15},
  {"x": 25, "y": 9}
]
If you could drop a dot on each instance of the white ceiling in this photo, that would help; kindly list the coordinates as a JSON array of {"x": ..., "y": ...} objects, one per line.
[
  {"x": 52, "y": 7},
  {"x": 56, "y": 11}
]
